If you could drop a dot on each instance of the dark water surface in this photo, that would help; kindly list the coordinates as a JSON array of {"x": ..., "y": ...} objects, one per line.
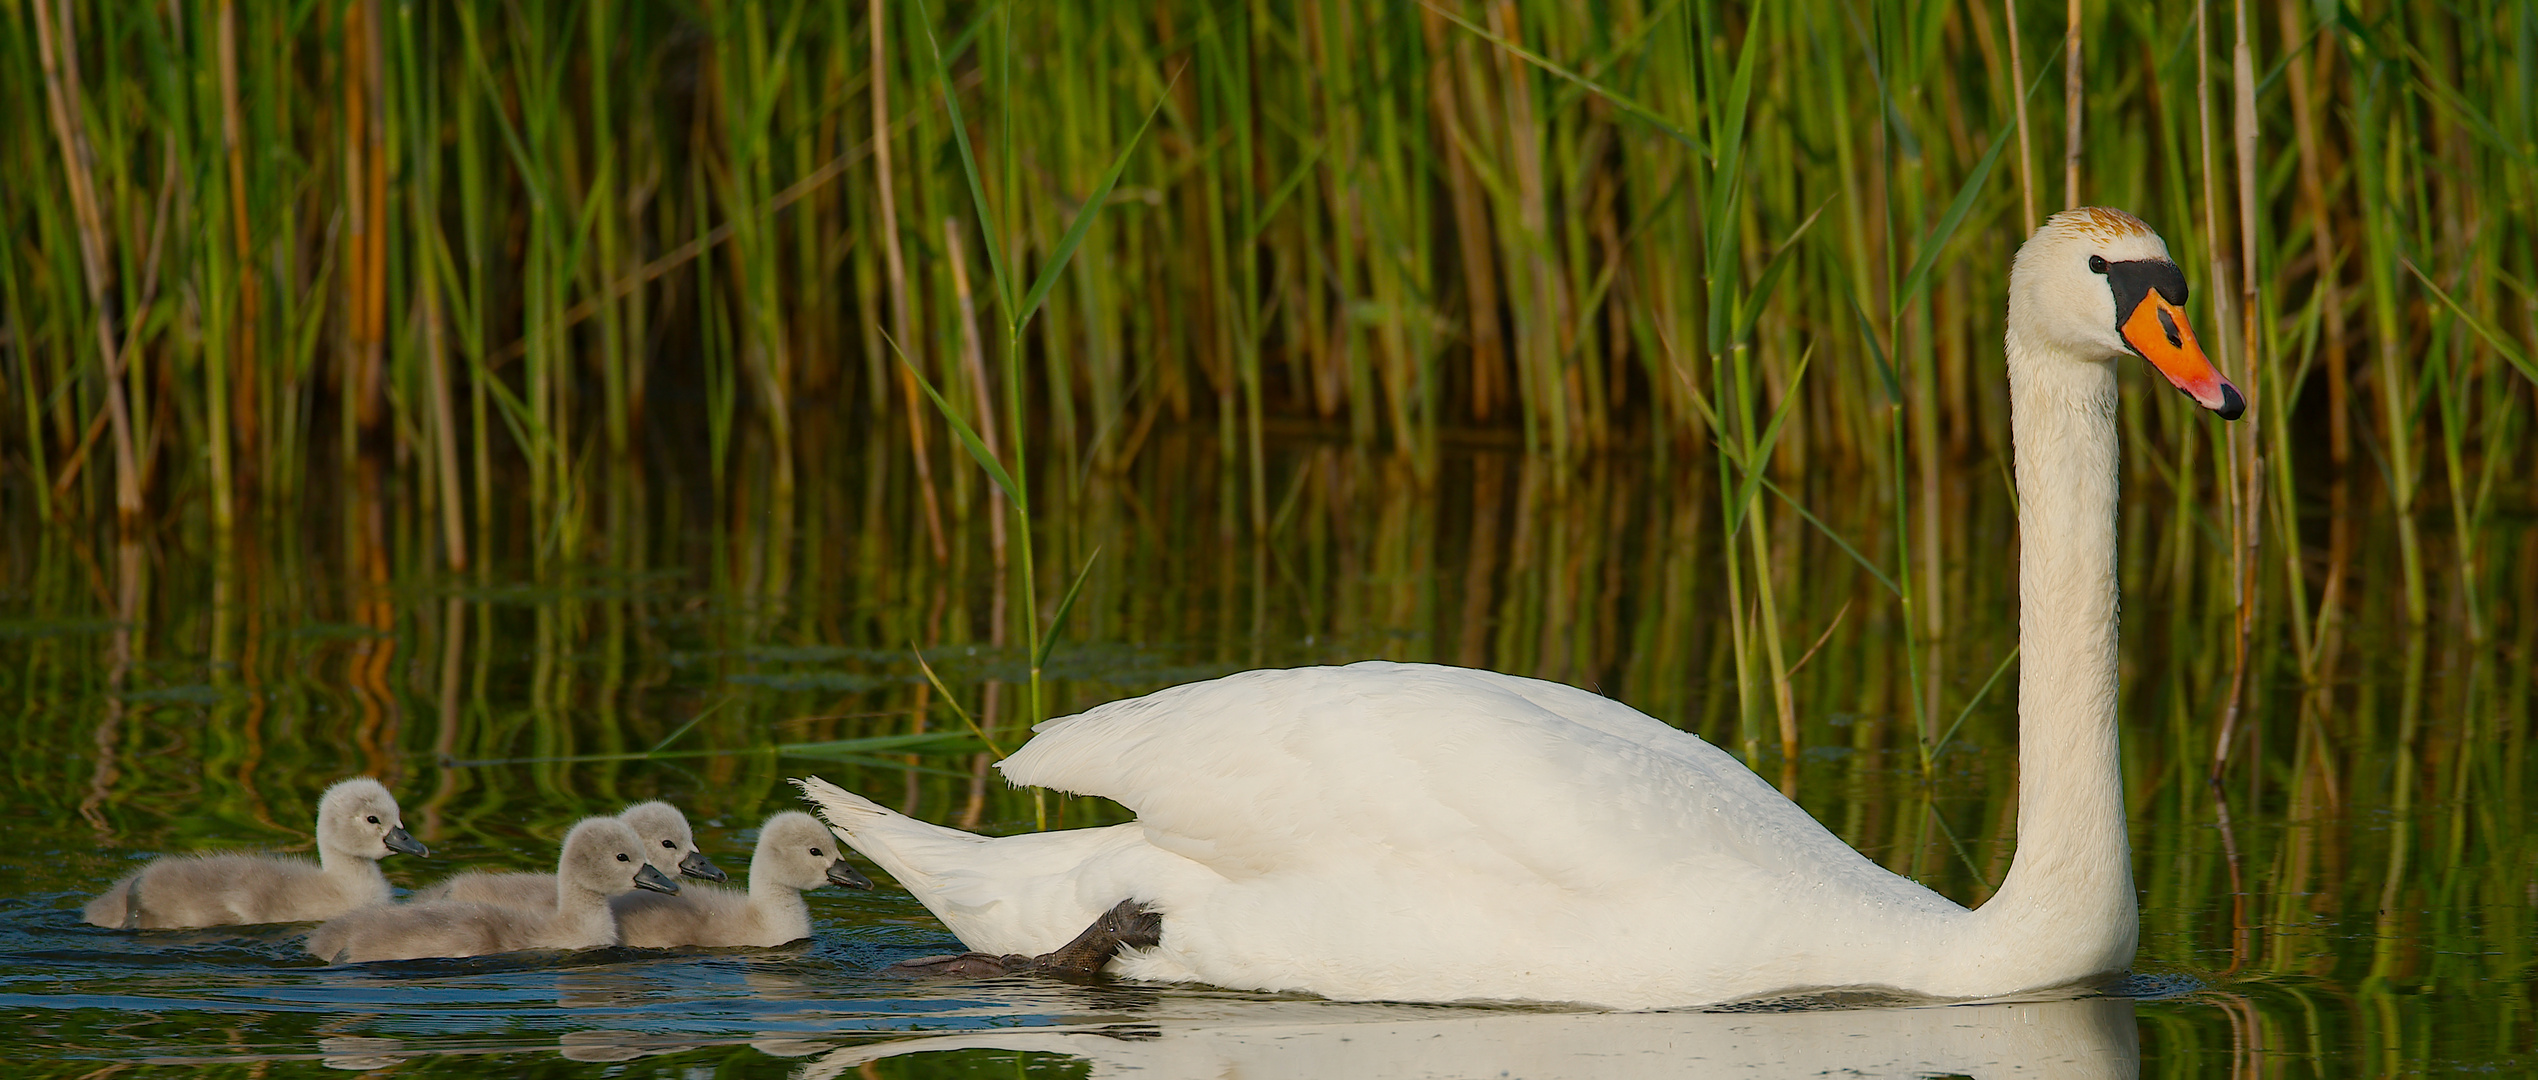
[{"x": 2361, "y": 905}]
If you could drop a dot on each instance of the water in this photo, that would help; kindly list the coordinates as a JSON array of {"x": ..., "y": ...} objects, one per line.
[{"x": 2366, "y": 907}]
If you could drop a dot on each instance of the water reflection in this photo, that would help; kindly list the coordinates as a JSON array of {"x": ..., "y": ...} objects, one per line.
[
  {"x": 2370, "y": 901},
  {"x": 2083, "y": 1039}
]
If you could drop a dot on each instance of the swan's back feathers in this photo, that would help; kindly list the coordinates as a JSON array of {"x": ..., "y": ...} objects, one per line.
[{"x": 1487, "y": 774}]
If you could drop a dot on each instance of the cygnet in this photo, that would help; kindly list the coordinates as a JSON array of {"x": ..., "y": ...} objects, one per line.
[
  {"x": 795, "y": 852},
  {"x": 357, "y": 825},
  {"x": 602, "y": 858},
  {"x": 668, "y": 844}
]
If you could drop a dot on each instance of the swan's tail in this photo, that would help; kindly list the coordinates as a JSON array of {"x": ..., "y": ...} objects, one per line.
[
  {"x": 914, "y": 852},
  {"x": 1011, "y": 894}
]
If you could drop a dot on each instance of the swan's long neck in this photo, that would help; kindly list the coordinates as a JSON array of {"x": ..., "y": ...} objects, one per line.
[{"x": 2068, "y": 899}]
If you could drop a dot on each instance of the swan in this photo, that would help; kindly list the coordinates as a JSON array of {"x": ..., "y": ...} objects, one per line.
[
  {"x": 795, "y": 852},
  {"x": 1410, "y": 832},
  {"x": 357, "y": 825},
  {"x": 602, "y": 857},
  {"x": 668, "y": 843}
]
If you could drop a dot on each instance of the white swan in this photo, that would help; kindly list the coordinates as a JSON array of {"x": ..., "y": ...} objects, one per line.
[
  {"x": 668, "y": 844},
  {"x": 357, "y": 825},
  {"x": 794, "y": 853},
  {"x": 601, "y": 858},
  {"x": 1411, "y": 832}
]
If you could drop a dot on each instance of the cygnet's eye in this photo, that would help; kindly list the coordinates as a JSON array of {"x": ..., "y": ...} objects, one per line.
[
  {"x": 621, "y": 857},
  {"x": 374, "y": 819},
  {"x": 815, "y": 853},
  {"x": 672, "y": 845},
  {"x": 2097, "y": 264}
]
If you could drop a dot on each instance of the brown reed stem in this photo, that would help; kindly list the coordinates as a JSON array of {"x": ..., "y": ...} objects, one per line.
[
  {"x": 58, "y": 51},
  {"x": 230, "y": 467},
  {"x": 2321, "y": 218},
  {"x": 444, "y": 417},
  {"x": 366, "y": 231},
  {"x": 1471, "y": 221},
  {"x": 974, "y": 364},
  {"x": 901, "y": 327},
  {"x": 2071, "y": 69},
  {"x": 2018, "y": 94}
]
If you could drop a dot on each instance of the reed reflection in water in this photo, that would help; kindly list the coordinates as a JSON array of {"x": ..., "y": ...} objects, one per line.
[{"x": 2368, "y": 899}]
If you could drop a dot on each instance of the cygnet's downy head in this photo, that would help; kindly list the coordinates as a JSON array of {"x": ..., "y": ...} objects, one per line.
[
  {"x": 2098, "y": 283},
  {"x": 604, "y": 856},
  {"x": 667, "y": 841},
  {"x": 797, "y": 852},
  {"x": 358, "y": 817}
]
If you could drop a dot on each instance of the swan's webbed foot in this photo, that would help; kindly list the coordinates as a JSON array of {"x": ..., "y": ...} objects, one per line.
[{"x": 1127, "y": 926}]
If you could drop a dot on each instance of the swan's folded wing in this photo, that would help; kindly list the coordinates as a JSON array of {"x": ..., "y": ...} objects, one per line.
[{"x": 1500, "y": 777}]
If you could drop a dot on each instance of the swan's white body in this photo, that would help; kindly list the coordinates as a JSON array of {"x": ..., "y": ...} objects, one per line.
[{"x": 1413, "y": 832}]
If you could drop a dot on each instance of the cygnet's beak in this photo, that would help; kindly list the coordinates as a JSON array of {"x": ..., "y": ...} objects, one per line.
[
  {"x": 843, "y": 875},
  {"x": 651, "y": 878},
  {"x": 698, "y": 866},
  {"x": 2158, "y": 331},
  {"x": 400, "y": 840}
]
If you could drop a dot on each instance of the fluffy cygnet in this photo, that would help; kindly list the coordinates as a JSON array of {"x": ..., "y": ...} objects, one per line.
[
  {"x": 795, "y": 852},
  {"x": 668, "y": 844},
  {"x": 357, "y": 825},
  {"x": 602, "y": 858}
]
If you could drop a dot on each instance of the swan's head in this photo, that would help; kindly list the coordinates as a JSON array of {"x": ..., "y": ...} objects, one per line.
[
  {"x": 2097, "y": 284},
  {"x": 602, "y": 855},
  {"x": 668, "y": 841},
  {"x": 358, "y": 817},
  {"x": 797, "y": 852}
]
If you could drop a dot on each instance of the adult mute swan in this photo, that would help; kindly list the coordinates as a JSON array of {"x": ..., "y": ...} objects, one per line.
[
  {"x": 357, "y": 825},
  {"x": 1420, "y": 833}
]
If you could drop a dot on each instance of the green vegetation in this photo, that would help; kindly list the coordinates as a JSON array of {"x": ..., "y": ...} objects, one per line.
[{"x": 485, "y": 241}]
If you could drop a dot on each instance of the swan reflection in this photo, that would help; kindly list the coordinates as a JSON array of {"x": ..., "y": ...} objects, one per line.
[{"x": 2087, "y": 1038}]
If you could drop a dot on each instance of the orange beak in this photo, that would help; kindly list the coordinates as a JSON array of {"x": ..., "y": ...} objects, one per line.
[{"x": 2157, "y": 330}]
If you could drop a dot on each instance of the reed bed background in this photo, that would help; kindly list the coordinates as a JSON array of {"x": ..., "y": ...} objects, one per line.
[{"x": 473, "y": 260}]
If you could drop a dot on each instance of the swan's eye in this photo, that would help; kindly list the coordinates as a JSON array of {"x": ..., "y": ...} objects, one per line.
[
  {"x": 670, "y": 845},
  {"x": 815, "y": 853},
  {"x": 374, "y": 819},
  {"x": 2097, "y": 264},
  {"x": 621, "y": 857}
]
